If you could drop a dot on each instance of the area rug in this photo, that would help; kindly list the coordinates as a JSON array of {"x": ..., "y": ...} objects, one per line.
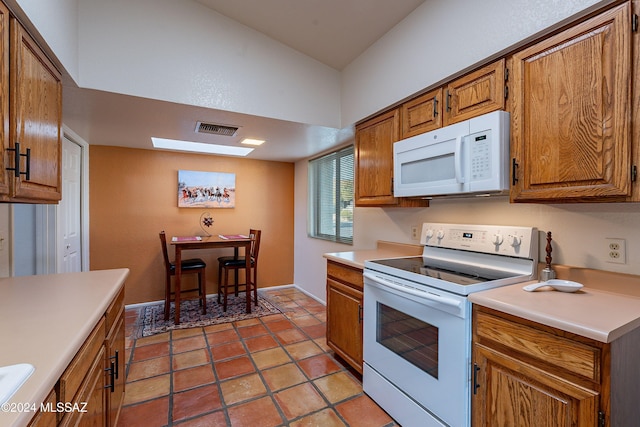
[{"x": 191, "y": 314}]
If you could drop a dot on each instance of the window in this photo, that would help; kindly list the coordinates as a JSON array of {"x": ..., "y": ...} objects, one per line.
[{"x": 331, "y": 196}]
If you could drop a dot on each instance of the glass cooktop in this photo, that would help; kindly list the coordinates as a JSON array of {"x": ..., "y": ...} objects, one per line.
[{"x": 460, "y": 274}]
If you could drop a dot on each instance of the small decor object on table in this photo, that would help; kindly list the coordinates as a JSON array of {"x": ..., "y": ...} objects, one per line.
[{"x": 206, "y": 222}]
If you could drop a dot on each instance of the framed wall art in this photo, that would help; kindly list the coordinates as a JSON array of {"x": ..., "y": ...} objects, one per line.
[{"x": 198, "y": 189}]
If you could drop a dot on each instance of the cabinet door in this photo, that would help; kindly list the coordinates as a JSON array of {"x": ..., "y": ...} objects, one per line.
[
  {"x": 479, "y": 92},
  {"x": 374, "y": 162},
  {"x": 115, "y": 354},
  {"x": 512, "y": 393},
  {"x": 374, "y": 159},
  {"x": 344, "y": 322},
  {"x": 92, "y": 393},
  {"x": 422, "y": 114},
  {"x": 48, "y": 417},
  {"x": 571, "y": 113},
  {"x": 4, "y": 99},
  {"x": 36, "y": 117}
]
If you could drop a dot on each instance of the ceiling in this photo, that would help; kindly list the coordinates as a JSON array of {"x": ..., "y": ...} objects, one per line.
[{"x": 334, "y": 32}]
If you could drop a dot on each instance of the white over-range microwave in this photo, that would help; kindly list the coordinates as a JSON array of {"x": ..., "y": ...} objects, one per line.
[{"x": 470, "y": 157}]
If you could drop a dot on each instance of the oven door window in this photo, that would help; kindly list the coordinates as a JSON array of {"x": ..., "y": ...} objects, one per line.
[{"x": 412, "y": 339}]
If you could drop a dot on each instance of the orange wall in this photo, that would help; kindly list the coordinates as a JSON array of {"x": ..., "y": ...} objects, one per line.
[{"x": 133, "y": 196}]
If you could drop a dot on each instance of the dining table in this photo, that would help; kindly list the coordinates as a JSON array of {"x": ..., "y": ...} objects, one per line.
[{"x": 208, "y": 242}]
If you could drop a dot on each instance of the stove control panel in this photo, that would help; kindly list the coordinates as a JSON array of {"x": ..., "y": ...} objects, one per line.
[{"x": 514, "y": 241}]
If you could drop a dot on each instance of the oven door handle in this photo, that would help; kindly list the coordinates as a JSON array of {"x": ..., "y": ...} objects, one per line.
[{"x": 380, "y": 282}]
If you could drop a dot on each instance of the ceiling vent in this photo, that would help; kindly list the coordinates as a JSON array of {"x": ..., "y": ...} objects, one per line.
[{"x": 216, "y": 129}]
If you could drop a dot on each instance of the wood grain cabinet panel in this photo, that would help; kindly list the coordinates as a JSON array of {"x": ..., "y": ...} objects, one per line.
[
  {"x": 571, "y": 118},
  {"x": 513, "y": 393},
  {"x": 374, "y": 162},
  {"x": 422, "y": 114},
  {"x": 533, "y": 376},
  {"x": 479, "y": 92},
  {"x": 115, "y": 359},
  {"x": 344, "y": 312},
  {"x": 4, "y": 98},
  {"x": 46, "y": 418},
  {"x": 35, "y": 118}
]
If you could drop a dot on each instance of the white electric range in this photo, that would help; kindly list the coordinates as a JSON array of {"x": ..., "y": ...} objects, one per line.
[{"x": 417, "y": 318}]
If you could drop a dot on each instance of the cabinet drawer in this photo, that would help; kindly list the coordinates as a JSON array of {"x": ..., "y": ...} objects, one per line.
[
  {"x": 345, "y": 274},
  {"x": 114, "y": 310},
  {"x": 548, "y": 349},
  {"x": 47, "y": 418},
  {"x": 79, "y": 367},
  {"x": 90, "y": 400}
]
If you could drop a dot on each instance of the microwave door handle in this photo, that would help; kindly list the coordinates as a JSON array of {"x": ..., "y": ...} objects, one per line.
[{"x": 457, "y": 159}]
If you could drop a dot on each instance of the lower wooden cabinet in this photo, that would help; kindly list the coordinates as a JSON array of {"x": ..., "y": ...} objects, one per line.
[
  {"x": 344, "y": 312},
  {"x": 46, "y": 418},
  {"x": 90, "y": 398},
  {"x": 528, "y": 374},
  {"x": 115, "y": 363},
  {"x": 90, "y": 391}
]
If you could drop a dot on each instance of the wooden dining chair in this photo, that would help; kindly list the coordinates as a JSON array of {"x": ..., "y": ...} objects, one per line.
[
  {"x": 189, "y": 266},
  {"x": 228, "y": 263}
]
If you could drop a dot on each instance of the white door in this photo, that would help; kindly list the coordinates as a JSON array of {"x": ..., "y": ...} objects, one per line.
[{"x": 70, "y": 207}]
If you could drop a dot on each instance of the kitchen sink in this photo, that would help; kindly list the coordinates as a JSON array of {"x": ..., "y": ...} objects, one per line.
[{"x": 11, "y": 379}]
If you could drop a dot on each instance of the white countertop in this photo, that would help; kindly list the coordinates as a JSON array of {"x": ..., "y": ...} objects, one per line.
[
  {"x": 594, "y": 313},
  {"x": 44, "y": 320},
  {"x": 384, "y": 250}
]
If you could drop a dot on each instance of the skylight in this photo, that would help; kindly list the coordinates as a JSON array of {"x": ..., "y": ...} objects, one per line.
[{"x": 199, "y": 147}]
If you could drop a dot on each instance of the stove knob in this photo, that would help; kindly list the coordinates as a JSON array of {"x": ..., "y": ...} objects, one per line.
[
  {"x": 440, "y": 234},
  {"x": 429, "y": 233},
  {"x": 515, "y": 241},
  {"x": 497, "y": 239}
]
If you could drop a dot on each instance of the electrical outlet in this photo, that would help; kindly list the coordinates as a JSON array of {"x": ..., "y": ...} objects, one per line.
[
  {"x": 616, "y": 251},
  {"x": 415, "y": 232}
]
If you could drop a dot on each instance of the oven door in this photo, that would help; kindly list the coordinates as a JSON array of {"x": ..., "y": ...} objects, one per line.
[{"x": 417, "y": 345}]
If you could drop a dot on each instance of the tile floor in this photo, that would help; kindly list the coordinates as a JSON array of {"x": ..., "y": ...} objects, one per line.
[{"x": 272, "y": 371}]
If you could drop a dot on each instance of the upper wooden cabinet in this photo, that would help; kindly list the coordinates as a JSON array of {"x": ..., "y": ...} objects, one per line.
[
  {"x": 479, "y": 92},
  {"x": 571, "y": 116},
  {"x": 4, "y": 99},
  {"x": 35, "y": 121},
  {"x": 374, "y": 162},
  {"x": 422, "y": 114}
]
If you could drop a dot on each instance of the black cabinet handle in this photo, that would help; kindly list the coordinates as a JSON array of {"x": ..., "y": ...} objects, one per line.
[
  {"x": 359, "y": 314},
  {"x": 448, "y": 100},
  {"x": 112, "y": 377},
  {"x": 514, "y": 171},
  {"x": 476, "y": 386},
  {"x": 16, "y": 162},
  {"x": 435, "y": 107},
  {"x": 27, "y": 173},
  {"x": 116, "y": 356}
]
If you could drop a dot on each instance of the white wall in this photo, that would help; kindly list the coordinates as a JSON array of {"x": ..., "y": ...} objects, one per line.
[
  {"x": 184, "y": 52},
  {"x": 579, "y": 230},
  {"x": 57, "y": 23},
  {"x": 439, "y": 39}
]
